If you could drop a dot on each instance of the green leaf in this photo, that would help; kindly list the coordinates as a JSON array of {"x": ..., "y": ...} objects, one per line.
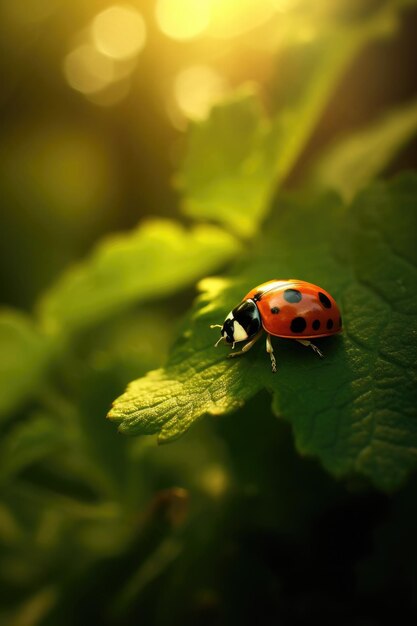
[
  {"x": 159, "y": 258},
  {"x": 355, "y": 409},
  {"x": 238, "y": 156},
  {"x": 23, "y": 357},
  {"x": 351, "y": 163},
  {"x": 223, "y": 176},
  {"x": 30, "y": 441}
]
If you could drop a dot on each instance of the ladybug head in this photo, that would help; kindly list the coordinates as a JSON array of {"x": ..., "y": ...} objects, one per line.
[{"x": 242, "y": 323}]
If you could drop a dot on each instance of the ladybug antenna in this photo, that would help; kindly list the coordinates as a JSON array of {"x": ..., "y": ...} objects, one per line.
[
  {"x": 217, "y": 342},
  {"x": 216, "y": 326}
]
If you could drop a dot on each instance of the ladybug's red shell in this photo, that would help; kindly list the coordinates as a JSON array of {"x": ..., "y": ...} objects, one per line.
[{"x": 294, "y": 308}]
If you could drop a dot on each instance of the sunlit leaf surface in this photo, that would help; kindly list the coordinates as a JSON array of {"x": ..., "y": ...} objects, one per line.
[
  {"x": 355, "y": 409},
  {"x": 157, "y": 259}
]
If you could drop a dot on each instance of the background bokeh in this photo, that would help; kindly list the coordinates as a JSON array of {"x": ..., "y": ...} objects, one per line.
[
  {"x": 222, "y": 526},
  {"x": 96, "y": 96}
]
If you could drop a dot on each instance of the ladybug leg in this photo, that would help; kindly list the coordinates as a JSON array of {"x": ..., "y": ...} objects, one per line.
[
  {"x": 306, "y": 342},
  {"x": 270, "y": 351},
  {"x": 247, "y": 346}
]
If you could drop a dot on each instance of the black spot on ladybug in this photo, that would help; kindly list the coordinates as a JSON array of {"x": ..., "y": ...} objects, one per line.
[
  {"x": 298, "y": 324},
  {"x": 292, "y": 295},
  {"x": 340, "y": 321},
  {"x": 258, "y": 295},
  {"x": 325, "y": 300},
  {"x": 275, "y": 309},
  {"x": 316, "y": 324},
  {"x": 329, "y": 324}
]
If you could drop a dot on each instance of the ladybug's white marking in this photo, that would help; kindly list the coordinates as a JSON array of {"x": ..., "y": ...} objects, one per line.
[{"x": 239, "y": 333}]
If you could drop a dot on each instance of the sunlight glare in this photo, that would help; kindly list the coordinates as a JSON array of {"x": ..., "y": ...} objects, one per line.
[
  {"x": 119, "y": 32},
  {"x": 182, "y": 19},
  {"x": 282, "y": 6},
  {"x": 197, "y": 88},
  {"x": 231, "y": 18}
]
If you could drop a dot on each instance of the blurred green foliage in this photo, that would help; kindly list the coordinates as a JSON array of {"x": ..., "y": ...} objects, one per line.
[
  {"x": 351, "y": 163},
  {"x": 24, "y": 355},
  {"x": 247, "y": 510},
  {"x": 166, "y": 256}
]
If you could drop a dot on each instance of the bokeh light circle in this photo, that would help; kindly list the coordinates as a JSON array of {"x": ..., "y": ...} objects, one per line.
[
  {"x": 197, "y": 88},
  {"x": 119, "y": 32},
  {"x": 87, "y": 70}
]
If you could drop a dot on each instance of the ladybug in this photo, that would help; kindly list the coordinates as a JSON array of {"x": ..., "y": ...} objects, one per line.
[{"x": 292, "y": 309}]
